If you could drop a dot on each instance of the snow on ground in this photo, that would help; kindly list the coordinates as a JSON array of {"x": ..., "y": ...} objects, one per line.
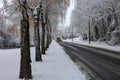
[
  {"x": 94, "y": 44},
  {"x": 56, "y": 65},
  {"x": 9, "y": 64}
]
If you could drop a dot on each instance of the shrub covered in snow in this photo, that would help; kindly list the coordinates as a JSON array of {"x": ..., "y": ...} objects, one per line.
[{"x": 115, "y": 38}]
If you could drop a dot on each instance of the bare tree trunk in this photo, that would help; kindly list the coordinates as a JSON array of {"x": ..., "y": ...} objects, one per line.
[
  {"x": 43, "y": 39},
  {"x": 38, "y": 56},
  {"x": 43, "y": 31},
  {"x": 48, "y": 34},
  {"x": 47, "y": 37},
  {"x": 25, "y": 63}
]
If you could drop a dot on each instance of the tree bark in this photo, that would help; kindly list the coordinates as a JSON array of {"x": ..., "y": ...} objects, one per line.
[
  {"x": 25, "y": 63},
  {"x": 38, "y": 56},
  {"x": 43, "y": 39},
  {"x": 47, "y": 42},
  {"x": 43, "y": 31},
  {"x": 48, "y": 35}
]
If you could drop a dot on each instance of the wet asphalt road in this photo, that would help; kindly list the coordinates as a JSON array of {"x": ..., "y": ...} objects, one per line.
[{"x": 103, "y": 62}]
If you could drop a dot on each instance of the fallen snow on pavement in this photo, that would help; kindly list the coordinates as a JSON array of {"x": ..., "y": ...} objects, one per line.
[
  {"x": 98, "y": 44},
  {"x": 56, "y": 65}
]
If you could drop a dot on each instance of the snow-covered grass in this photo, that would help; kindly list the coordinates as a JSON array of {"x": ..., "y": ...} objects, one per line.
[
  {"x": 56, "y": 65},
  {"x": 9, "y": 64},
  {"x": 98, "y": 44}
]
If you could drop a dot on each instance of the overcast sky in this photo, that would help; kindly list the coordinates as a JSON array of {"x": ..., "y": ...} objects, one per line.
[{"x": 1, "y": 3}]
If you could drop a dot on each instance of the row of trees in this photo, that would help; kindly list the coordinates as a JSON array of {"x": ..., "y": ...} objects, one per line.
[
  {"x": 97, "y": 20},
  {"x": 42, "y": 16},
  {"x": 23, "y": 17}
]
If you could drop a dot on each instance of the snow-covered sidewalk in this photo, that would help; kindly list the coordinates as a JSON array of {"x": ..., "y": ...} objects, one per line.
[{"x": 56, "y": 65}]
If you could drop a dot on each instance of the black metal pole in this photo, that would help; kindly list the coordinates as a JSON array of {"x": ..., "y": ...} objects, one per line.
[
  {"x": 89, "y": 30},
  {"x": 72, "y": 33}
]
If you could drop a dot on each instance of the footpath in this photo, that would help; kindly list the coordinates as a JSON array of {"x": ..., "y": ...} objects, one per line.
[{"x": 56, "y": 65}]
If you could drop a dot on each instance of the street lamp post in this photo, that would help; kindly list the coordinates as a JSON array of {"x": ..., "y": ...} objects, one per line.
[
  {"x": 72, "y": 34},
  {"x": 89, "y": 30},
  {"x": 89, "y": 27}
]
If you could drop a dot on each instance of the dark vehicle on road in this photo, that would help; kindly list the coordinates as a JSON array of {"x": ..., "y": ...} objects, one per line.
[{"x": 59, "y": 39}]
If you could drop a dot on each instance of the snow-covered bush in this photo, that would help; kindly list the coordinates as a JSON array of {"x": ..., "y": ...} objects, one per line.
[{"x": 115, "y": 38}]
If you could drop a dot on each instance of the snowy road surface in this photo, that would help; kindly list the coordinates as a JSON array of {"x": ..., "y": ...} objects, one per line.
[
  {"x": 105, "y": 63},
  {"x": 56, "y": 65},
  {"x": 97, "y": 44}
]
